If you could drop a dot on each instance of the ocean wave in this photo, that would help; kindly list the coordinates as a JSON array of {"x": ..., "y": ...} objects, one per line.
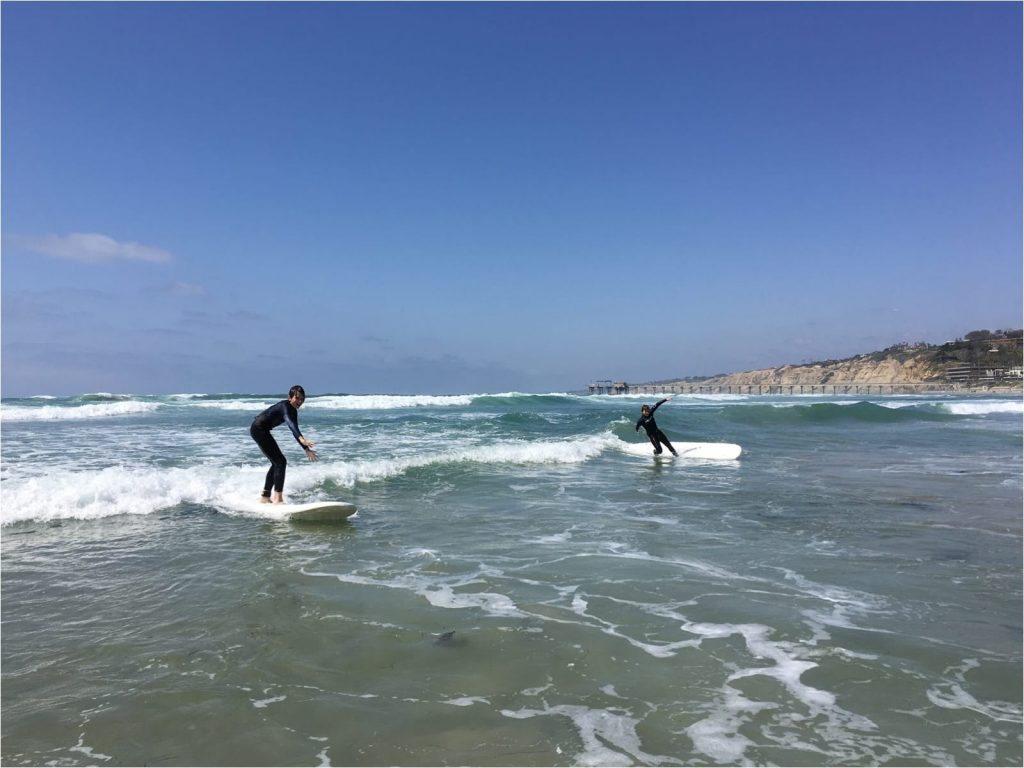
[
  {"x": 827, "y": 413},
  {"x": 522, "y": 398},
  {"x": 386, "y": 402},
  {"x": 984, "y": 408},
  {"x": 390, "y": 402},
  {"x": 255, "y": 405},
  {"x": 521, "y": 452},
  {"x": 79, "y": 494},
  {"x": 119, "y": 490},
  {"x": 369, "y": 403},
  {"x": 84, "y": 495},
  {"x": 11, "y": 413},
  {"x": 103, "y": 397},
  {"x": 692, "y": 398}
]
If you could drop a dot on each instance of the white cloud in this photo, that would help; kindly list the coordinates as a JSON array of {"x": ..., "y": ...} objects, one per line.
[
  {"x": 177, "y": 288},
  {"x": 92, "y": 248},
  {"x": 186, "y": 289}
]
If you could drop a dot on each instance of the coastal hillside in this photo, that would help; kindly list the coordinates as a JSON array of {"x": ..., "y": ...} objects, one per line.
[{"x": 980, "y": 358}]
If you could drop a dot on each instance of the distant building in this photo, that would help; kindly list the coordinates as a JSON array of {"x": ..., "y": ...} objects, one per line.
[
  {"x": 961, "y": 374},
  {"x": 974, "y": 374}
]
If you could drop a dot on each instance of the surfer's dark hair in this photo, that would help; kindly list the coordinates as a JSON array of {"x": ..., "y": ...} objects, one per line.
[{"x": 296, "y": 390}]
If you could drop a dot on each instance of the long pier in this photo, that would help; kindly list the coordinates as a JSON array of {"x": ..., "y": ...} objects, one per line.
[{"x": 608, "y": 387}]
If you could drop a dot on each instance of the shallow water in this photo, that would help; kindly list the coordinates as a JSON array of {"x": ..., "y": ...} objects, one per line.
[{"x": 518, "y": 588}]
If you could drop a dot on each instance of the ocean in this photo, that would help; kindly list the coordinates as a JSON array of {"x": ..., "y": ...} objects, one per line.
[{"x": 523, "y": 583}]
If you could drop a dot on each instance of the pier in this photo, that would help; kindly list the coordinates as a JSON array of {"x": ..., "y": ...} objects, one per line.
[{"x": 608, "y": 387}]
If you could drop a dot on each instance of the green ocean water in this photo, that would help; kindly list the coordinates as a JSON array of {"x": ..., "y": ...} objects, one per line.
[{"x": 521, "y": 586}]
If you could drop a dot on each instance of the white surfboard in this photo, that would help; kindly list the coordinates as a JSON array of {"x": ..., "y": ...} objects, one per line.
[
  {"x": 712, "y": 451},
  {"x": 312, "y": 512},
  {"x": 317, "y": 511}
]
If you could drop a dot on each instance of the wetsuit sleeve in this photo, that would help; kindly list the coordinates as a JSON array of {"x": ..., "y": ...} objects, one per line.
[
  {"x": 638, "y": 423},
  {"x": 291, "y": 418},
  {"x": 657, "y": 404}
]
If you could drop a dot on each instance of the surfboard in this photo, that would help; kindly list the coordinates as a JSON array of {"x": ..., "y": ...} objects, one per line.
[
  {"x": 712, "y": 451},
  {"x": 317, "y": 511},
  {"x": 311, "y": 512}
]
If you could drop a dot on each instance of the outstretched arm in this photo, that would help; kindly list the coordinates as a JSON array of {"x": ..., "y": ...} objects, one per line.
[{"x": 664, "y": 399}]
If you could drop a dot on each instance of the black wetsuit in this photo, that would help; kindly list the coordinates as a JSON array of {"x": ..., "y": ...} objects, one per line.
[
  {"x": 656, "y": 435},
  {"x": 276, "y": 415}
]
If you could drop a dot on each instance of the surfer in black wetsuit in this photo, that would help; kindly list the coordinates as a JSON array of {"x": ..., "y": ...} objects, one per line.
[
  {"x": 283, "y": 412},
  {"x": 656, "y": 436}
]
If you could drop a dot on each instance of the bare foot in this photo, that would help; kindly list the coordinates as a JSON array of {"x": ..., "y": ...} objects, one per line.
[{"x": 264, "y": 499}]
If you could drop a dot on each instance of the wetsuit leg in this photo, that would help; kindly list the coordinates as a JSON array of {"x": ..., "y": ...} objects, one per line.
[
  {"x": 278, "y": 463},
  {"x": 654, "y": 442},
  {"x": 662, "y": 438}
]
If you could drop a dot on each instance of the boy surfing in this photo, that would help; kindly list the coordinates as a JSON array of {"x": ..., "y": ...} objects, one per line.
[
  {"x": 655, "y": 435},
  {"x": 283, "y": 412}
]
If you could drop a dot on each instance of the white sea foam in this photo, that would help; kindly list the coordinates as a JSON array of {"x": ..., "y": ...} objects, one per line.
[
  {"x": 984, "y": 407},
  {"x": 958, "y": 408},
  {"x": 846, "y": 736},
  {"x": 116, "y": 490},
  {"x": 788, "y": 668},
  {"x": 554, "y": 538},
  {"x": 255, "y": 406},
  {"x": 800, "y": 401},
  {"x": 11, "y": 413},
  {"x": 952, "y": 695},
  {"x": 493, "y": 604},
  {"x": 466, "y": 701},
  {"x": 509, "y": 452},
  {"x": 581, "y": 607},
  {"x": 609, "y": 737},
  {"x": 111, "y": 491},
  {"x": 718, "y": 735},
  {"x": 440, "y": 595},
  {"x": 697, "y": 566},
  {"x": 864, "y": 602},
  {"x": 387, "y": 402},
  {"x": 264, "y": 703},
  {"x": 423, "y": 552},
  {"x": 91, "y": 754}
]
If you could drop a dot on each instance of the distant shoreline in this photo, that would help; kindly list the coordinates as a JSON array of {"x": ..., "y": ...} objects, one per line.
[
  {"x": 831, "y": 388},
  {"x": 982, "y": 363}
]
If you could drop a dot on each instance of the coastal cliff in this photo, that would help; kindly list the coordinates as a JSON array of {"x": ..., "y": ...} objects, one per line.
[
  {"x": 981, "y": 359},
  {"x": 857, "y": 370}
]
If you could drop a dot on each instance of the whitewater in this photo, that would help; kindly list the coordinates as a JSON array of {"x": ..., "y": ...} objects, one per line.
[{"x": 524, "y": 584}]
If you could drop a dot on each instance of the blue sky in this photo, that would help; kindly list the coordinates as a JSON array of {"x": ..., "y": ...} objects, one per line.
[{"x": 471, "y": 197}]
